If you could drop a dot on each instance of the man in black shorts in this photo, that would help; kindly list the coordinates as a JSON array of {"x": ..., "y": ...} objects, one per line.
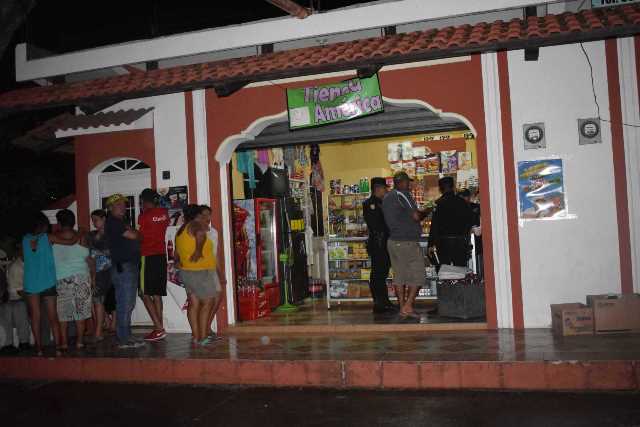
[{"x": 153, "y": 223}]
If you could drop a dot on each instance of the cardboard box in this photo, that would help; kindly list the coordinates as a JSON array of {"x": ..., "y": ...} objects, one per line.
[
  {"x": 571, "y": 319},
  {"x": 615, "y": 313}
]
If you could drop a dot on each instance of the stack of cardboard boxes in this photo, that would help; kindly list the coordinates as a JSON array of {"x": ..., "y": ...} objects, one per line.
[{"x": 603, "y": 314}]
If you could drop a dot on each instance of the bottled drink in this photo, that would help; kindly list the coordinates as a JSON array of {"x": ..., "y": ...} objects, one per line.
[{"x": 170, "y": 255}]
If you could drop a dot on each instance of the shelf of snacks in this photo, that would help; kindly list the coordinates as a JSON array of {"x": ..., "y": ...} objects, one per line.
[
  {"x": 431, "y": 158},
  {"x": 345, "y": 216},
  {"x": 349, "y": 270}
]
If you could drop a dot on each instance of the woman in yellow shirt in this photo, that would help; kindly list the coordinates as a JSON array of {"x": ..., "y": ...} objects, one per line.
[{"x": 197, "y": 265}]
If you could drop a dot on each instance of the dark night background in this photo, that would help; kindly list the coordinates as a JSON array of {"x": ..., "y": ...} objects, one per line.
[{"x": 32, "y": 180}]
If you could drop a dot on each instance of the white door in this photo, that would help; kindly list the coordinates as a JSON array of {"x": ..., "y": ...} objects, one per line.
[{"x": 129, "y": 181}]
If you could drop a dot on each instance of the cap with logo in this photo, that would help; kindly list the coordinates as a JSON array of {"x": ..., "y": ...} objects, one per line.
[{"x": 116, "y": 198}]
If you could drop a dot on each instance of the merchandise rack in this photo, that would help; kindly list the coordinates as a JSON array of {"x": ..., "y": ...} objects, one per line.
[{"x": 328, "y": 269}]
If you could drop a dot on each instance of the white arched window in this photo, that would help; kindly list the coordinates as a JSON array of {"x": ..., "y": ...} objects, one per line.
[{"x": 123, "y": 175}]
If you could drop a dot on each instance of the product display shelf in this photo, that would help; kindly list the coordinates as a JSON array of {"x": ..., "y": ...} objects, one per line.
[
  {"x": 345, "y": 216},
  {"x": 338, "y": 250}
]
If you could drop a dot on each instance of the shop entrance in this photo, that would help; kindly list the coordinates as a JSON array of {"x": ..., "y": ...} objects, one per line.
[{"x": 314, "y": 222}]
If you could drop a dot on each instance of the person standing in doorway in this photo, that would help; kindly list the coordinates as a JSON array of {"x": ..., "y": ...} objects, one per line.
[
  {"x": 152, "y": 224},
  {"x": 451, "y": 226},
  {"x": 101, "y": 270},
  {"x": 73, "y": 284},
  {"x": 403, "y": 218},
  {"x": 205, "y": 218},
  {"x": 377, "y": 247},
  {"x": 198, "y": 272},
  {"x": 124, "y": 248}
]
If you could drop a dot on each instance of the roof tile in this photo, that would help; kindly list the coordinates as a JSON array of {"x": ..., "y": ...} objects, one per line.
[{"x": 427, "y": 44}]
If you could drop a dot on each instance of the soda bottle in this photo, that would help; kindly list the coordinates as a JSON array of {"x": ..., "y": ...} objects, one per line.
[{"x": 170, "y": 256}]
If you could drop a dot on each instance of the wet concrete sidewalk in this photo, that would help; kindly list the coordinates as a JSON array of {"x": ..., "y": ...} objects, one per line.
[
  {"x": 122, "y": 405},
  {"x": 494, "y": 360}
]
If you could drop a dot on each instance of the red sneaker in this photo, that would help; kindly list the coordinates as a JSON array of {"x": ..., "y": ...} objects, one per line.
[{"x": 156, "y": 335}]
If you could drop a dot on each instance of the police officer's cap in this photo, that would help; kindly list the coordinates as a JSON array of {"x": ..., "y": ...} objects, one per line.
[{"x": 378, "y": 182}]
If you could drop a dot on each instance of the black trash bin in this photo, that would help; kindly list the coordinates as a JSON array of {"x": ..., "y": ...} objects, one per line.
[{"x": 461, "y": 299}]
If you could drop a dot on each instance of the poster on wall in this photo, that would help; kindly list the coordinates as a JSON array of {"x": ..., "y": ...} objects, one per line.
[
  {"x": 175, "y": 199},
  {"x": 541, "y": 189},
  {"x": 335, "y": 102}
]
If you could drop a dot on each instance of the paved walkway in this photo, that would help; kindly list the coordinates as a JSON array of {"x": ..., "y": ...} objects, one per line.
[{"x": 533, "y": 359}]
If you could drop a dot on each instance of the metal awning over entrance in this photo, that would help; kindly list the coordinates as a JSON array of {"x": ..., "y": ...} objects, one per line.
[{"x": 395, "y": 120}]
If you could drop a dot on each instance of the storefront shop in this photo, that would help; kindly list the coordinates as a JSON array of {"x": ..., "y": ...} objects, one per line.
[
  {"x": 484, "y": 116},
  {"x": 331, "y": 268}
]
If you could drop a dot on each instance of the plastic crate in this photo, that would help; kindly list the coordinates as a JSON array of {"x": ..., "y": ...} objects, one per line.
[{"x": 253, "y": 305}]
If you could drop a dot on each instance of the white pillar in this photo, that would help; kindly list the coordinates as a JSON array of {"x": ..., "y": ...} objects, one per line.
[
  {"x": 631, "y": 115},
  {"x": 497, "y": 196},
  {"x": 201, "y": 150},
  {"x": 225, "y": 202}
]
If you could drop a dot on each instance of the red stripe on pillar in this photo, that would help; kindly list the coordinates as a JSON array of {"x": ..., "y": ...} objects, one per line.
[
  {"x": 619, "y": 166},
  {"x": 191, "y": 148}
]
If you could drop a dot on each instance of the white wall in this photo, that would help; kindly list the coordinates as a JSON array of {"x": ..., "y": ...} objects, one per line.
[
  {"x": 169, "y": 132},
  {"x": 564, "y": 260}
]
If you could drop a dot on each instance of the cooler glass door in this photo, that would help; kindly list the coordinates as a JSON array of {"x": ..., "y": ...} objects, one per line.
[{"x": 267, "y": 241}]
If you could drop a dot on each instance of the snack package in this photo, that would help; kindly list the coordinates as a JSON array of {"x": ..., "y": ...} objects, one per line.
[
  {"x": 407, "y": 150},
  {"x": 464, "y": 160},
  {"x": 421, "y": 167},
  {"x": 448, "y": 161},
  {"x": 394, "y": 152},
  {"x": 432, "y": 163},
  {"x": 395, "y": 167},
  {"x": 409, "y": 168},
  {"x": 419, "y": 152}
]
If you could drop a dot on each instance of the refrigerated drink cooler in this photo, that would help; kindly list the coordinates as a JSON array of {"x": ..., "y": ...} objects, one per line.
[{"x": 256, "y": 247}]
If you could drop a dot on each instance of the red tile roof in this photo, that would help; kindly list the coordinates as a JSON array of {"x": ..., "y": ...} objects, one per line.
[{"x": 587, "y": 25}]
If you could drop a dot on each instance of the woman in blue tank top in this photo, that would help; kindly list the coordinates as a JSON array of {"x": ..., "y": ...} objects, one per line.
[{"x": 40, "y": 278}]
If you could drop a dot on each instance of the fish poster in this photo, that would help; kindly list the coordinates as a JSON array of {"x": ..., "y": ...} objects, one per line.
[{"x": 541, "y": 189}]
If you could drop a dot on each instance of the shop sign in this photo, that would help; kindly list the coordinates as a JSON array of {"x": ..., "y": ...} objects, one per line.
[
  {"x": 608, "y": 3},
  {"x": 332, "y": 103}
]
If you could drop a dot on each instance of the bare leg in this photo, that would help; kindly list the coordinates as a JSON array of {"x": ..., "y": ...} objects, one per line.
[
  {"x": 99, "y": 319},
  {"x": 64, "y": 329},
  {"x": 203, "y": 316},
  {"x": 407, "y": 308},
  {"x": 54, "y": 323},
  {"x": 216, "y": 307},
  {"x": 157, "y": 301},
  {"x": 149, "y": 303},
  {"x": 80, "y": 327},
  {"x": 33, "y": 302},
  {"x": 192, "y": 315},
  {"x": 400, "y": 294}
]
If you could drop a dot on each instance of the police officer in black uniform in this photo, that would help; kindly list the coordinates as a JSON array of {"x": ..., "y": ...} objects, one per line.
[
  {"x": 377, "y": 247},
  {"x": 451, "y": 226}
]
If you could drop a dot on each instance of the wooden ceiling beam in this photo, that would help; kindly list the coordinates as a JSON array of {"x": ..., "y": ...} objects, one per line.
[{"x": 291, "y": 7}]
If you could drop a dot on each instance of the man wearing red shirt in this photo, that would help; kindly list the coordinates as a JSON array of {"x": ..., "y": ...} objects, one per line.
[{"x": 152, "y": 224}]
